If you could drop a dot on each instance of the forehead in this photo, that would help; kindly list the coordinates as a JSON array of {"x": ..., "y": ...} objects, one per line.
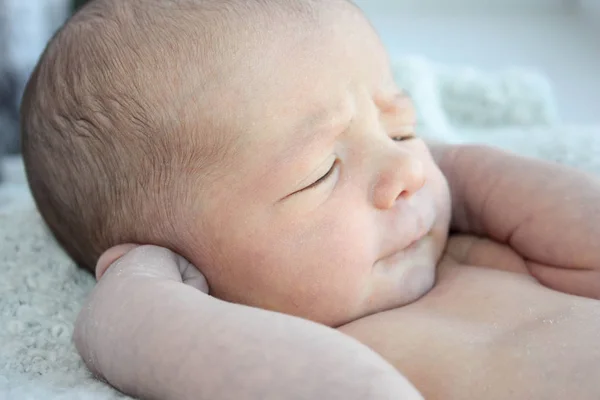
[{"x": 300, "y": 78}]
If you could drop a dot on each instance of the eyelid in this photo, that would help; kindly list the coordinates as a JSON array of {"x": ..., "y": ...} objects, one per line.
[
  {"x": 403, "y": 131},
  {"x": 322, "y": 178}
]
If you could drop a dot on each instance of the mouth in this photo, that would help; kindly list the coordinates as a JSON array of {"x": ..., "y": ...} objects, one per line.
[
  {"x": 407, "y": 251},
  {"x": 410, "y": 226}
]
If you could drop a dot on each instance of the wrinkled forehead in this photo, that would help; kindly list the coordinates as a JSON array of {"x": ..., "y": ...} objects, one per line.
[{"x": 294, "y": 77}]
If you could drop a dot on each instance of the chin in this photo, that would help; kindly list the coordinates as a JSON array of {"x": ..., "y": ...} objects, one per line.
[
  {"x": 418, "y": 282},
  {"x": 421, "y": 278},
  {"x": 405, "y": 282}
]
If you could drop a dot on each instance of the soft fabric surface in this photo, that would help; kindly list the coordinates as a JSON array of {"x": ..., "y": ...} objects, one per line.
[{"x": 41, "y": 290}]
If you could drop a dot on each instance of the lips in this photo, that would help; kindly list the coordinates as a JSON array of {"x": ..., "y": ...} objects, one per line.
[
  {"x": 416, "y": 241},
  {"x": 420, "y": 222},
  {"x": 406, "y": 250}
]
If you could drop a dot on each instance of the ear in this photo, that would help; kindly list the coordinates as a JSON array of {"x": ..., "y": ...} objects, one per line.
[{"x": 110, "y": 256}]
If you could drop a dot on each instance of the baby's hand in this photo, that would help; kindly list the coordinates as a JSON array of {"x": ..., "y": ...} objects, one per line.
[
  {"x": 123, "y": 273},
  {"x": 549, "y": 214},
  {"x": 188, "y": 273}
]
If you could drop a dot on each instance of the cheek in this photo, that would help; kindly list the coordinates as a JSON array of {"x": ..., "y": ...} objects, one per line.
[
  {"x": 334, "y": 261},
  {"x": 316, "y": 268},
  {"x": 341, "y": 245}
]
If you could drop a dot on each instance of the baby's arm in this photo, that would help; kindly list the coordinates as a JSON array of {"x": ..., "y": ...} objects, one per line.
[
  {"x": 548, "y": 213},
  {"x": 152, "y": 336}
]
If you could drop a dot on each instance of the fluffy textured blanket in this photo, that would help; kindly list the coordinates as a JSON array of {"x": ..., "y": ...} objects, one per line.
[{"x": 41, "y": 290}]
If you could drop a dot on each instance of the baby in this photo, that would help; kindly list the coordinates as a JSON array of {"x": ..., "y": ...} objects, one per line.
[{"x": 262, "y": 150}]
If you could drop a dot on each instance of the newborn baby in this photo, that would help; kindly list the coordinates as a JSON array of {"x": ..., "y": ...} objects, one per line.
[{"x": 263, "y": 146}]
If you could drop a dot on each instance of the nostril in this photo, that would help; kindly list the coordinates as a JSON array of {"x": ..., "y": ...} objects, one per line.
[{"x": 404, "y": 195}]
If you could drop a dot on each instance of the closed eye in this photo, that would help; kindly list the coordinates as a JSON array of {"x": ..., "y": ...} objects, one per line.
[
  {"x": 403, "y": 134},
  {"x": 402, "y": 138},
  {"x": 321, "y": 179}
]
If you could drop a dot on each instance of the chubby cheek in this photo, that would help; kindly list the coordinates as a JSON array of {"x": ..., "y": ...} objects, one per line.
[
  {"x": 337, "y": 268},
  {"x": 315, "y": 268},
  {"x": 337, "y": 265}
]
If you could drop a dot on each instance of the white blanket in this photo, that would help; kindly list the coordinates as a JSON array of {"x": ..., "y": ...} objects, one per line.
[{"x": 41, "y": 290}]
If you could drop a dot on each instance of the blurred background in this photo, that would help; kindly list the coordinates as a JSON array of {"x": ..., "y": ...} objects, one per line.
[
  {"x": 559, "y": 38},
  {"x": 25, "y": 28}
]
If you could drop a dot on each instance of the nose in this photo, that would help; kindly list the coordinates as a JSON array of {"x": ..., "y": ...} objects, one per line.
[{"x": 400, "y": 175}]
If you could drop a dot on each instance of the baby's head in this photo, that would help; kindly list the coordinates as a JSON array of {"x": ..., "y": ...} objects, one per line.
[{"x": 264, "y": 140}]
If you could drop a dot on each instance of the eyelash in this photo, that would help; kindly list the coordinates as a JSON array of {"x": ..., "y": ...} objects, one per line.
[
  {"x": 407, "y": 133},
  {"x": 402, "y": 138},
  {"x": 323, "y": 178}
]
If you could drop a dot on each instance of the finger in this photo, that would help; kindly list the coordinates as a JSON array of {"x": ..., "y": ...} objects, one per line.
[
  {"x": 110, "y": 256},
  {"x": 192, "y": 275},
  {"x": 579, "y": 282},
  {"x": 152, "y": 261},
  {"x": 148, "y": 261}
]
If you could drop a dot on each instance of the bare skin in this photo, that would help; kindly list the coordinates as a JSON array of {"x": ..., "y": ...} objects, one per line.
[
  {"x": 488, "y": 328},
  {"x": 490, "y": 334},
  {"x": 170, "y": 340},
  {"x": 333, "y": 211}
]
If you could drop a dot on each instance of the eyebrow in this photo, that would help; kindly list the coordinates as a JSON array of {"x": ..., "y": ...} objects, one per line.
[
  {"x": 395, "y": 103},
  {"x": 323, "y": 120},
  {"x": 328, "y": 119}
]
